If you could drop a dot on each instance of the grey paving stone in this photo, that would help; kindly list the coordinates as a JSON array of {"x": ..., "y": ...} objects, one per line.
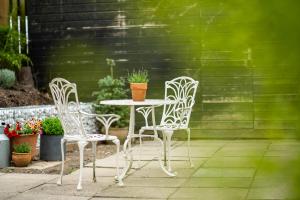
[
  {"x": 154, "y": 182},
  {"x": 136, "y": 192},
  {"x": 34, "y": 196},
  {"x": 233, "y": 162},
  {"x": 180, "y": 164},
  {"x": 21, "y": 182},
  {"x": 157, "y": 172},
  {"x": 210, "y": 193},
  {"x": 270, "y": 193},
  {"x": 89, "y": 189},
  {"x": 7, "y": 195},
  {"x": 225, "y": 172},
  {"x": 218, "y": 182},
  {"x": 195, "y": 151},
  {"x": 241, "y": 151}
]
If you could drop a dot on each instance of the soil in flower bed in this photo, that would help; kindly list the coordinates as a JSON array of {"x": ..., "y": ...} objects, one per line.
[
  {"x": 72, "y": 160},
  {"x": 21, "y": 95}
]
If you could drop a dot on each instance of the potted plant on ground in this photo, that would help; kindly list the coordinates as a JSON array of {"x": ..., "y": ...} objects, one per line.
[
  {"x": 113, "y": 88},
  {"x": 138, "y": 84},
  {"x": 50, "y": 148},
  {"x": 26, "y": 133},
  {"x": 21, "y": 155}
]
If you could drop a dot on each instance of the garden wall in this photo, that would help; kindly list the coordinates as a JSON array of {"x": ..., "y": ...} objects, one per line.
[
  {"x": 227, "y": 49},
  {"x": 22, "y": 114}
]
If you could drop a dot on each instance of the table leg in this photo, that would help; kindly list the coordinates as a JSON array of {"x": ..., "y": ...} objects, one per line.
[{"x": 128, "y": 151}]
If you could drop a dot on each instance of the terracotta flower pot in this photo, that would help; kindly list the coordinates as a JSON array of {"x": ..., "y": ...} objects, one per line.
[
  {"x": 30, "y": 139},
  {"x": 138, "y": 91},
  {"x": 21, "y": 159}
]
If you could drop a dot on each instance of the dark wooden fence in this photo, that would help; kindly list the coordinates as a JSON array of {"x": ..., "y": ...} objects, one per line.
[{"x": 72, "y": 39}]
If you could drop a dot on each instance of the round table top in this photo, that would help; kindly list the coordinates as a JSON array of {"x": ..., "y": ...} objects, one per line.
[{"x": 130, "y": 102}]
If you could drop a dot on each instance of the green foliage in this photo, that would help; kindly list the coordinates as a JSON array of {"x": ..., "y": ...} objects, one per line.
[
  {"x": 140, "y": 76},
  {"x": 111, "y": 88},
  {"x": 10, "y": 57},
  {"x": 22, "y": 148},
  {"x": 7, "y": 78},
  {"x": 52, "y": 126}
]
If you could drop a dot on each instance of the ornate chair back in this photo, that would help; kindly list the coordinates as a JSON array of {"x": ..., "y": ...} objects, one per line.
[
  {"x": 66, "y": 102},
  {"x": 182, "y": 90}
]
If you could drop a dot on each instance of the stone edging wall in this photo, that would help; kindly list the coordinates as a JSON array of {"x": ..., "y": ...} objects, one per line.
[{"x": 12, "y": 114}]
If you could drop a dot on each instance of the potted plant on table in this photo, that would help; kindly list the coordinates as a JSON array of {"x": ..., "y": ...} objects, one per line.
[
  {"x": 21, "y": 155},
  {"x": 24, "y": 133},
  {"x": 138, "y": 84},
  {"x": 52, "y": 133}
]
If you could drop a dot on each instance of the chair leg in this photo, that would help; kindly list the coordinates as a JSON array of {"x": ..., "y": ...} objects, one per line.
[
  {"x": 62, "y": 141},
  {"x": 81, "y": 145},
  {"x": 140, "y": 146},
  {"x": 169, "y": 137},
  {"x": 188, "y": 147},
  {"x": 94, "y": 149},
  {"x": 117, "y": 143},
  {"x": 165, "y": 148}
]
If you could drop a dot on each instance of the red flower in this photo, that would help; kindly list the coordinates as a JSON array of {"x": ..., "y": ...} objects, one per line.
[{"x": 10, "y": 133}]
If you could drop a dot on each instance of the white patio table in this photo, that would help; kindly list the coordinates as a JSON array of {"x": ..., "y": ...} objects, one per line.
[{"x": 128, "y": 151}]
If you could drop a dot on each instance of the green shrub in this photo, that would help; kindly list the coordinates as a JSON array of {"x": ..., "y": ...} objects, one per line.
[
  {"x": 52, "y": 126},
  {"x": 7, "y": 78},
  {"x": 22, "y": 148},
  {"x": 140, "y": 76},
  {"x": 10, "y": 57},
  {"x": 111, "y": 88}
]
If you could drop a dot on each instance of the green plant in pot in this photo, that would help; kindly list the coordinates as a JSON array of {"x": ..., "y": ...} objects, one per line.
[
  {"x": 50, "y": 148},
  {"x": 138, "y": 84},
  {"x": 113, "y": 88},
  {"x": 21, "y": 155}
]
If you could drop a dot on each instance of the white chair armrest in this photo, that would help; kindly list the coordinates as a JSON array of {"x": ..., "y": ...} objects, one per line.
[{"x": 107, "y": 119}]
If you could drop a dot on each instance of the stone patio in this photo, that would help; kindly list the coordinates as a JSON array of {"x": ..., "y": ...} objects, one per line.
[{"x": 224, "y": 169}]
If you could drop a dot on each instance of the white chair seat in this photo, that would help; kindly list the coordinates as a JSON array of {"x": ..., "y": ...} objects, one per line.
[
  {"x": 163, "y": 127},
  {"x": 90, "y": 137}
]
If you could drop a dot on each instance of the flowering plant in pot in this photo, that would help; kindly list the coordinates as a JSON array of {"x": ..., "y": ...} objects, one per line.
[
  {"x": 50, "y": 148},
  {"x": 24, "y": 133},
  {"x": 21, "y": 155},
  {"x": 138, "y": 84}
]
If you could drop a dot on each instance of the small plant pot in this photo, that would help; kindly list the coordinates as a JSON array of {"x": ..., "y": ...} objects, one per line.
[
  {"x": 50, "y": 148},
  {"x": 138, "y": 91},
  {"x": 21, "y": 159},
  {"x": 30, "y": 139}
]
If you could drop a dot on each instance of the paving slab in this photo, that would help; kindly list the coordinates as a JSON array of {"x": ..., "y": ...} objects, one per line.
[
  {"x": 236, "y": 161},
  {"x": 225, "y": 172},
  {"x": 218, "y": 182},
  {"x": 89, "y": 189},
  {"x": 154, "y": 182},
  {"x": 282, "y": 192},
  {"x": 136, "y": 192},
  {"x": 107, "y": 198},
  {"x": 23, "y": 182},
  {"x": 34, "y": 196},
  {"x": 210, "y": 193},
  {"x": 195, "y": 151},
  {"x": 110, "y": 162}
]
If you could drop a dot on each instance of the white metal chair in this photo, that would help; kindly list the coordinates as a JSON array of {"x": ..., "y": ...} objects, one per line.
[
  {"x": 67, "y": 104},
  {"x": 175, "y": 116}
]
